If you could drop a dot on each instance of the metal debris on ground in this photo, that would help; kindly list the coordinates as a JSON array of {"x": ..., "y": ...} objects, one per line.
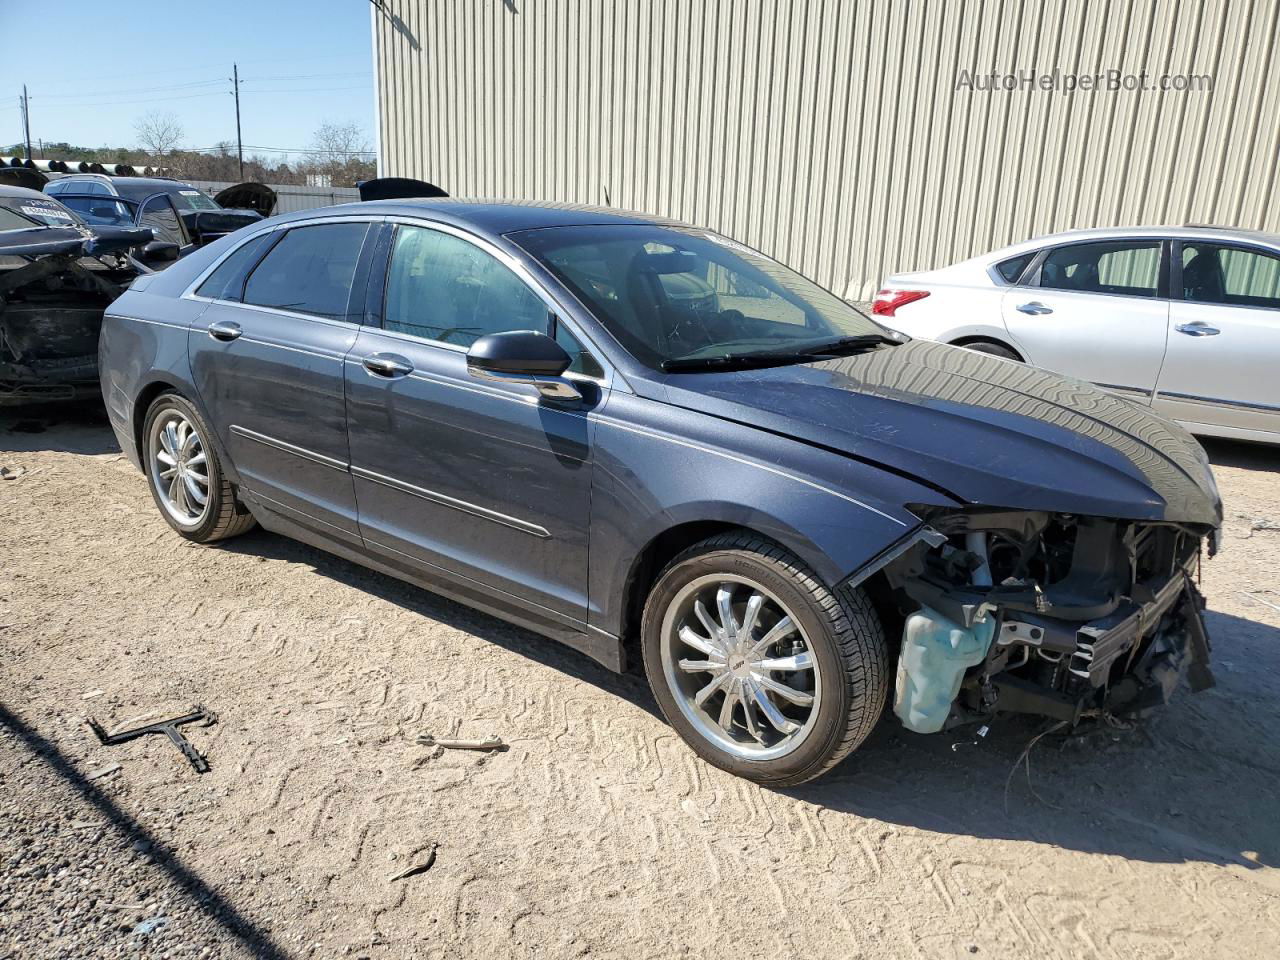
[
  {"x": 1262, "y": 523},
  {"x": 103, "y": 772},
  {"x": 488, "y": 743},
  {"x": 169, "y": 728},
  {"x": 147, "y": 927},
  {"x": 11, "y": 473},
  {"x": 417, "y": 868},
  {"x": 1253, "y": 597}
]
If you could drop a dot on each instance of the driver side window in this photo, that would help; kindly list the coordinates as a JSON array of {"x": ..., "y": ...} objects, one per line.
[{"x": 440, "y": 287}]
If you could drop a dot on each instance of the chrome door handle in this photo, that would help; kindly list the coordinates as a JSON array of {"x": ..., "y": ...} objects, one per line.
[
  {"x": 390, "y": 365},
  {"x": 1035, "y": 308},
  {"x": 226, "y": 330},
  {"x": 1197, "y": 328}
]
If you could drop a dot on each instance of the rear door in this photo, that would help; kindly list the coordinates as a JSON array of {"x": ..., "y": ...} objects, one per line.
[
  {"x": 267, "y": 359},
  {"x": 1224, "y": 338},
  {"x": 1096, "y": 310}
]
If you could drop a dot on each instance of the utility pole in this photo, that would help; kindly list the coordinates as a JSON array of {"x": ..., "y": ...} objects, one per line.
[
  {"x": 235, "y": 75},
  {"x": 26, "y": 118}
]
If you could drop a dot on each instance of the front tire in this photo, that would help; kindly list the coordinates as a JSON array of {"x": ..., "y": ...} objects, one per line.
[
  {"x": 761, "y": 668},
  {"x": 185, "y": 474}
]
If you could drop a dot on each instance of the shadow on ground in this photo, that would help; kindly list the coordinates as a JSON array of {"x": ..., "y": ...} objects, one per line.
[
  {"x": 1195, "y": 782},
  {"x": 1245, "y": 456},
  {"x": 1134, "y": 793},
  {"x": 69, "y": 427},
  {"x": 198, "y": 893}
]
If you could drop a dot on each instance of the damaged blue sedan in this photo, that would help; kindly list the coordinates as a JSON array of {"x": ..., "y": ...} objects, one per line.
[{"x": 657, "y": 445}]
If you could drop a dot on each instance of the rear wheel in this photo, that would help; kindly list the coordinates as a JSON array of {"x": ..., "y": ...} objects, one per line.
[
  {"x": 994, "y": 349},
  {"x": 185, "y": 474},
  {"x": 758, "y": 665}
]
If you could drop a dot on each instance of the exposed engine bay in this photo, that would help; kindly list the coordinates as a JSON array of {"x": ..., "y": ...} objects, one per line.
[{"x": 1063, "y": 616}]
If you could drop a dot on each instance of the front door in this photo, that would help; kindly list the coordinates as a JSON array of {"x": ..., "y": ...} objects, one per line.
[
  {"x": 1224, "y": 336},
  {"x": 470, "y": 481},
  {"x": 267, "y": 360},
  {"x": 157, "y": 212},
  {"x": 1094, "y": 311}
]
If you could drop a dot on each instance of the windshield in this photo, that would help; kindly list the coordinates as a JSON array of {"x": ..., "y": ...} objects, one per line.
[
  {"x": 100, "y": 209},
  {"x": 19, "y": 212},
  {"x": 673, "y": 296},
  {"x": 188, "y": 198}
]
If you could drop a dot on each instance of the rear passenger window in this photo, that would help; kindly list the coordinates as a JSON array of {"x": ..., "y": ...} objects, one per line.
[
  {"x": 441, "y": 287},
  {"x": 227, "y": 281},
  {"x": 309, "y": 271},
  {"x": 1125, "y": 267},
  {"x": 1012, "y": 268}
]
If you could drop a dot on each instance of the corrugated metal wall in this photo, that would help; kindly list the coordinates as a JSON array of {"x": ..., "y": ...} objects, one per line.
[
  {"x": 831, "y": 134},
  {"x": 291, "y": 198}
]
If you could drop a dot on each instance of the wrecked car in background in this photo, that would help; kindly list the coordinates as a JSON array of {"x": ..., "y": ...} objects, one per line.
[
  {"x": 782, "y": 502},
  {"x": 57, "y": 275},
  {"x": 177, "y": 212}
]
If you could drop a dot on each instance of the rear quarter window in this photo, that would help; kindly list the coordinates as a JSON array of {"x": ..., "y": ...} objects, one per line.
[
  {"x": 1012, "y": 269},
  {"x": 310, "y": 270},
  {"x": 227, "y": 281}
]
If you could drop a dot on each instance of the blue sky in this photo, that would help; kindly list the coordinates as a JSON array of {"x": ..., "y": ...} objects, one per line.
[{"x": 93, "y": 68}]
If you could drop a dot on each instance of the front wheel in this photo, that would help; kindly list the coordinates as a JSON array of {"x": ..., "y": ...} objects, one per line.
[
  {"x": 760, "y": 667},
  {"x": 185, "y": 474}
]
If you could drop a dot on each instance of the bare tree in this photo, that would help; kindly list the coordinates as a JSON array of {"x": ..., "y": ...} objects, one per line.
[
  {"x": 340, "y": 154},
  {"x": 159, "y": 133}
]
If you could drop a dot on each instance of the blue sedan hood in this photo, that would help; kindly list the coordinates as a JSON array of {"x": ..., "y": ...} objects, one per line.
[{"x": 984, "y": 430}]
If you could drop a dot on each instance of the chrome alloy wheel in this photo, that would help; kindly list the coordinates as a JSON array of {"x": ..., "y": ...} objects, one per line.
[
  {"x": 179, "y": 467},
  {"x": 740, "y": 667}
]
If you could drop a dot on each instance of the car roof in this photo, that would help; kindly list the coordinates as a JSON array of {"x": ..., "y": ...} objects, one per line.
[
  {"x": 491, "y": 216},
  {"x": 1189, "y": 231},
  {"x": 134, "y": 188},
  {"x": 8, "y": 191}
]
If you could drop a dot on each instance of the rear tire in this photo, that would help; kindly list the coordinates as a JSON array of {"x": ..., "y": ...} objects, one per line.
[
  {"x": 781, "y": 715},
  {"x": 992, "y": 349},
  {"x": 185, "y": 474}
]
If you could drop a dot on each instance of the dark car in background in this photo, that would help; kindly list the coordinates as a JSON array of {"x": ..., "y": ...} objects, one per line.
[
  {"x": 57, "y": 274},
  {"x": 177, "y": 212},
  {"x": 642, "y": 437}
]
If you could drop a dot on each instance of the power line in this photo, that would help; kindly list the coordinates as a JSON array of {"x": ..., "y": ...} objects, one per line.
[
  {"x": 306, "y": 89},
  {"x": 311, "y": 76},
  {"x": 116, "y": 103},
  {"x": 113, "y": 93}
]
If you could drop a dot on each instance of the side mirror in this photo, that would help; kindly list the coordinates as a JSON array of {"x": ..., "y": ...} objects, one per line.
[
  {"x": 159, "y": 251},
  {"x": 522, "y": 356}
]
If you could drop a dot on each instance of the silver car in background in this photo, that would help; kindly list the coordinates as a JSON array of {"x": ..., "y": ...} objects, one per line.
[{"x": 1186, "y": 319}]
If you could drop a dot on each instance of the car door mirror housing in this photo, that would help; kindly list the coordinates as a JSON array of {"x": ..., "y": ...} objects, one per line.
[
  {"x": 159, "y": 251},
  {"x": 523, "y": 356}
]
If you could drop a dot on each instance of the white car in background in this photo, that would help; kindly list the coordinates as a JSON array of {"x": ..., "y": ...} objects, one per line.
[{"x": 1186, "y": 319}]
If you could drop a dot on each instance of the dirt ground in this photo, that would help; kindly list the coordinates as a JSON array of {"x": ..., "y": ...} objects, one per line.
[{"x": 597, "y": 834}]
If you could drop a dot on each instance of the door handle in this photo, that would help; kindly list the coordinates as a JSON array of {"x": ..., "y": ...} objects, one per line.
[
  {"x": 1197, "y": 328},
  {"x": 1035, "y": 308},
  {"x": 390, "y": 365},
  {"x": 226, "y": 330}
]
